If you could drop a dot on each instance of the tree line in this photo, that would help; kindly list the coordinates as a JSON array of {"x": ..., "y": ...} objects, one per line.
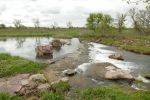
[
  {"x": 17, "y": 23},
  {"x": 100, "y": 22}
]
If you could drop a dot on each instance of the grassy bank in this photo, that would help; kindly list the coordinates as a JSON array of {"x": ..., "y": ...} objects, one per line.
[
  {"x": 102, "y": 92},
  {"x": 12, "y": 65},
  {"x": 128, "y": 39}
]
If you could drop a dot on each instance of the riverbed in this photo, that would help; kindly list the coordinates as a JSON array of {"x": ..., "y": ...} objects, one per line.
[{"x": 137, "y": 64}]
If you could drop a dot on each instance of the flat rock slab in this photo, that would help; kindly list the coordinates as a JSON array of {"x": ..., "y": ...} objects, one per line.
[
  {"x": 24, "y": 84},
  {"x": 12, "y": 84},
  {"x": 107, "y": 71}
]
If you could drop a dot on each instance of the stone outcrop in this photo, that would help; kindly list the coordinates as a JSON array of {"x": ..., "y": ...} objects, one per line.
[
  {"x": 24, "y": 84},
  {"x": 44, "y": 51},
  {"x": 116, "y": 56}
]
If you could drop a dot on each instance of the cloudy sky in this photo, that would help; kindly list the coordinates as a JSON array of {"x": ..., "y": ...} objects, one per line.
[{"x": 59, "y": 11}]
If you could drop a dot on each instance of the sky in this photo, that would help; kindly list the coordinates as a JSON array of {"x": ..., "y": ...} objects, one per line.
[{"x": 58, "y": 11}]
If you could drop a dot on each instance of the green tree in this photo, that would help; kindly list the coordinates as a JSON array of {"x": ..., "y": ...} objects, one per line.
[
  {"x": 18, "y": 23},
  {"x": 147, "y": 2},
  {"x": 106, "y": 22},
  {"x": 2, "y": 26},
  {"x": 94, "y": 20},
  {"x": 36, "y": 23},
  {"x": 121, "y": 18},
  {"x": 98, "y": 21},
  {"x": 69, "y": 24},
  {"x": 141, "y": 19}
]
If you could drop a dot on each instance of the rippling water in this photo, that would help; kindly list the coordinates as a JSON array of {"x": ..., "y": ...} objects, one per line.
[{"x": 137, "y": 64}]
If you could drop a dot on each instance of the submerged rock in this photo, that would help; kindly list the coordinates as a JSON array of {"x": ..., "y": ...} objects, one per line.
[
  {"x": 56, "y": 44},
  {"x": 116, "y": 56},
  {"x": 69, "y": 72},
  {"x": 44, "y": 51}
]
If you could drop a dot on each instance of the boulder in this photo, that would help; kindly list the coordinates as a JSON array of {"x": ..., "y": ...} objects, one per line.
[
  {"x": 56, "y": 44},
  {"x": 107, "y": 71},
  {"x": 113, "y": 73},
  {"x": 38, "y": 78},
  {"x": 116, "y": 56},
  {"x": 69, "y": 72},
  {"x": 43, "y": 87},
  {"x": 44, "y": 51},
  {"x": 28, "y": 83},
  {"x": 65, "y": 79}
]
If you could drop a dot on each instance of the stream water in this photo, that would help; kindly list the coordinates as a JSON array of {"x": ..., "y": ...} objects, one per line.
[
  {"x": 25, "y": 47},
  {"x": 137, "y": 64}
]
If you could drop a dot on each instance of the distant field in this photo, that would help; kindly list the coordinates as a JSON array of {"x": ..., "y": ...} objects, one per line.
[{"x": 128, "y": 39}]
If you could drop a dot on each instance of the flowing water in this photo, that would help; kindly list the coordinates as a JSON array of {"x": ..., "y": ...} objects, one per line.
[{"x": 137, "y": 64}]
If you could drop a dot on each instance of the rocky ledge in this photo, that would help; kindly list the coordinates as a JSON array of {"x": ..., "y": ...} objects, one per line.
[{"x": 26, "y": 84}]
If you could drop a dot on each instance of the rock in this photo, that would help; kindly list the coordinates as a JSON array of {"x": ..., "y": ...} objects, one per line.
[
  {"x": 65, "y": 79},
  {"x": 14, "y": 88},
  {"x": 115, "y": 73},
  {"x": 25, "y": 91},
  {"x": 116, "y": 56},
  {"x": 107, "y": 71},
  {"x": 56, "y": 44},
  {"x": 28, "y": 83},
  {"x": 44, "y": 51},
  {"x": 43, "y": 87},
  {"x": 38, "y": 78},
  {"x": 55, "y": 82},
  {"x": 147, "y": 77},
  {"x": 69, "y": 72},
  {"x": 24, "y": 82}
]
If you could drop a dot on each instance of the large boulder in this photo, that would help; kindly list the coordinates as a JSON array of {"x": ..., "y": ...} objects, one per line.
[
  {"x": 116, "y": 56},
  {"x": 114, "y": 73},
  {"x": 107, "y": 71},
  {"x": 56, "y": 44},
  {"x": 44, "y": 51}
]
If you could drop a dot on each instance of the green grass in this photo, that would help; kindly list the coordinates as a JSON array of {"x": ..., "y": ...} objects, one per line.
[
  {"x": 12, "y": 65},
  {"x": 112, "y": 93},
  {"x": 51, "y": 96},
  {"x": 6, "y": 96},
  {"x": 57, "y": 91},
  {"x": 60, "y": 88}
]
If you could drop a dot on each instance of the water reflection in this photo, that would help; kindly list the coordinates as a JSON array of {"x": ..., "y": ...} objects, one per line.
[{"x": 25, "y": 47}]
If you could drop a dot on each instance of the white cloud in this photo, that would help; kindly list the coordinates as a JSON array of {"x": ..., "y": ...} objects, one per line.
[{"x": 60, "y": 11}]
